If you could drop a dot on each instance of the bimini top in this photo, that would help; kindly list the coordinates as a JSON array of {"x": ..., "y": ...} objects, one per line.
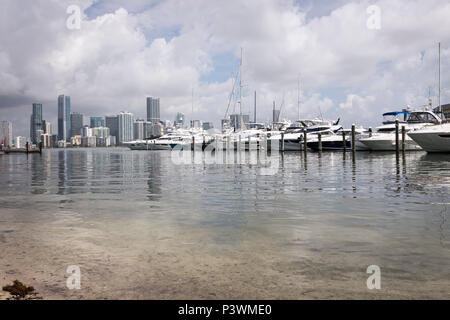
[{"x": 395, "y": 113}]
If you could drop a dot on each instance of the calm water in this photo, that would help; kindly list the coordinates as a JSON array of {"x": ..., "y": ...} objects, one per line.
[{"x": 140, "y": 226}]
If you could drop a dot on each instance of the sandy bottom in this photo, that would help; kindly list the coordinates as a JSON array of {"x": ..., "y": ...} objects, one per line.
[{"x": 182, "y": 262}]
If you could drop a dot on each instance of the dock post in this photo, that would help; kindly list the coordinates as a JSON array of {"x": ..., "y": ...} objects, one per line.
[
  {"x": 353, "y": 138},
  {"x": 319, "y": 135},
  {"x": 248, "y": 143},
  {"x": 403, "y": 139},
  {"x": 370, "y": 132},
  {"x": 193, "y": 143},
  {"x": 204, "y": 143},
  {"x": 240, "y": 144},
  {"x": 397, "y": 143},
  {"x": 305, "y": 139},
  {"x": 282, "y": 142},
  {"x": 344, "y": 142},
  {"x": 27, "y": 147}
]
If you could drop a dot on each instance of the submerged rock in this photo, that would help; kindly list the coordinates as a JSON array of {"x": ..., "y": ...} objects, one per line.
[{"x": 20, "y": 291}]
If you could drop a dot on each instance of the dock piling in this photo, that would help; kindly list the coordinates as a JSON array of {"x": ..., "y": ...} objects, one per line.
[
  {"x": 319, "y": 135},
  {"x": 403, "y": 138},
  {"x": 344, "y": 142},
  {"x": 282, "y": 142},
  {"x": 397, "y": 143},
  {"x": 353, "y": 138},
  {"x": 305, "y": 139}
]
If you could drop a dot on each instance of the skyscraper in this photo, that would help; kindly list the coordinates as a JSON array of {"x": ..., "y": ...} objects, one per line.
[
  {"x": 140, "y": 129},
  {"x": 236, "y": 122},
  {"x": 275, "y": 114},
  {"x": 125, "y": 120},
  {"x": 36, "y": 123},
  {"x": 64, "y": 129},
  {"x": 96, "y": 122},
  {"x": 6, "y": 137},
  {"x": 112, "y": 122},
  {"x": 76, "y": 123},
  {"x": 179, "y": 120},
  {"x": 153, "y": 110}
]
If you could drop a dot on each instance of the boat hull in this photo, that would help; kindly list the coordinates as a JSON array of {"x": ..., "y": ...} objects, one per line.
[
  {"x": 388, "y": 143},
  {"x": 432, "y": 141}
]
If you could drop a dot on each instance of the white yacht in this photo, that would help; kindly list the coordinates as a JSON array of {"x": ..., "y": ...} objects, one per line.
[
  {"x": 433, "y": 138},
  {"x": 170, "y": 140},
  {"x": 332, "y": 141},
  {"x": 293, "y": 135},
  {"x": 384, "y": 137}
]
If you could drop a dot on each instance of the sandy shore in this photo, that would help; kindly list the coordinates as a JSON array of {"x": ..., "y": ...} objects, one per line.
[{"x": 179, "y": 263}]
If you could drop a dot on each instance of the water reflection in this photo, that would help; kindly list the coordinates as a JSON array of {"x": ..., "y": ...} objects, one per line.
[{"x": 154, "y": 180}]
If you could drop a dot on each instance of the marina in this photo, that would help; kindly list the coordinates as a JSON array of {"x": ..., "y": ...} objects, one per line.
[{"x": 222, "y": 157}]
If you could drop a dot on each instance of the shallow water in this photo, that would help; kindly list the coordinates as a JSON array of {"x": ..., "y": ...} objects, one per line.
[{"x": 140, "y": 226}]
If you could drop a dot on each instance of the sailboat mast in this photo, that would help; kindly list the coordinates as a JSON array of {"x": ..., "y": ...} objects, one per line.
[
  {"x": 192, "y": 108},
  {"x": 298, "y": 98},
  {"x": 440, "y": 107},
  {"x": 240, "y": 86},
  {"x": 254, "y": 112}
]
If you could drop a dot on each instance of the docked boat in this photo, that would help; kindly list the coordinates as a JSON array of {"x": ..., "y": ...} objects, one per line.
[
  {"x": 170, "y": 141},
  {"x": 335, "y": 141},
  {"x": 293, "y": 135},
  {"x": 433, "y": 138},
  {"x": 384, "y": 138}
]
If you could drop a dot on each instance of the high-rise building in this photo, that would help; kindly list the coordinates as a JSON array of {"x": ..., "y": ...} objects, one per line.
[
  {"x": 76, "y": 123},
  {"x": 20, "y": 142},
  {"x": 140, "y": 129},
  {"x": 275, "y": 113},
  {"x": 64, "y": 129},
  {"x": 236, "y": 121},
  {"x": 46, "y": 136},
  {"x": 207, "y": 125},
  {"x": 96, "y": 122},
  {"x": 47, "y": 127},
  {"x": 112, "y": 122},
  {"x": 125, "y": 127},
  {"x": 196, "y": 124},
  {"x": 6, "y": 137},
  {"x": 179, "y": 120},
  {"x": 153, "y": 110},
  {"x": 35, "y": 122}
]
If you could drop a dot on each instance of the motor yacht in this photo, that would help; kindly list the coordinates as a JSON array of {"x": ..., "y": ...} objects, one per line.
[{"x": 384, "y": 137}]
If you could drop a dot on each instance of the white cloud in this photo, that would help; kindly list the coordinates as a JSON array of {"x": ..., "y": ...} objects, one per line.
[{"x": 165, "y": 48}]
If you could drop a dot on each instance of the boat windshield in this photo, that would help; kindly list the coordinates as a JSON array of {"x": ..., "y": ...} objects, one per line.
[{"x": 422, "y": 117}]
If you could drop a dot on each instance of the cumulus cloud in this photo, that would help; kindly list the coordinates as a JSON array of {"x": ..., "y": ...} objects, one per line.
[{"x": 126, "y": 51}]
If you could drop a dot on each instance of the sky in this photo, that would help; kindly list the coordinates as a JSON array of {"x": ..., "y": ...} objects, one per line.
[{"x": 352, "y": 59}]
